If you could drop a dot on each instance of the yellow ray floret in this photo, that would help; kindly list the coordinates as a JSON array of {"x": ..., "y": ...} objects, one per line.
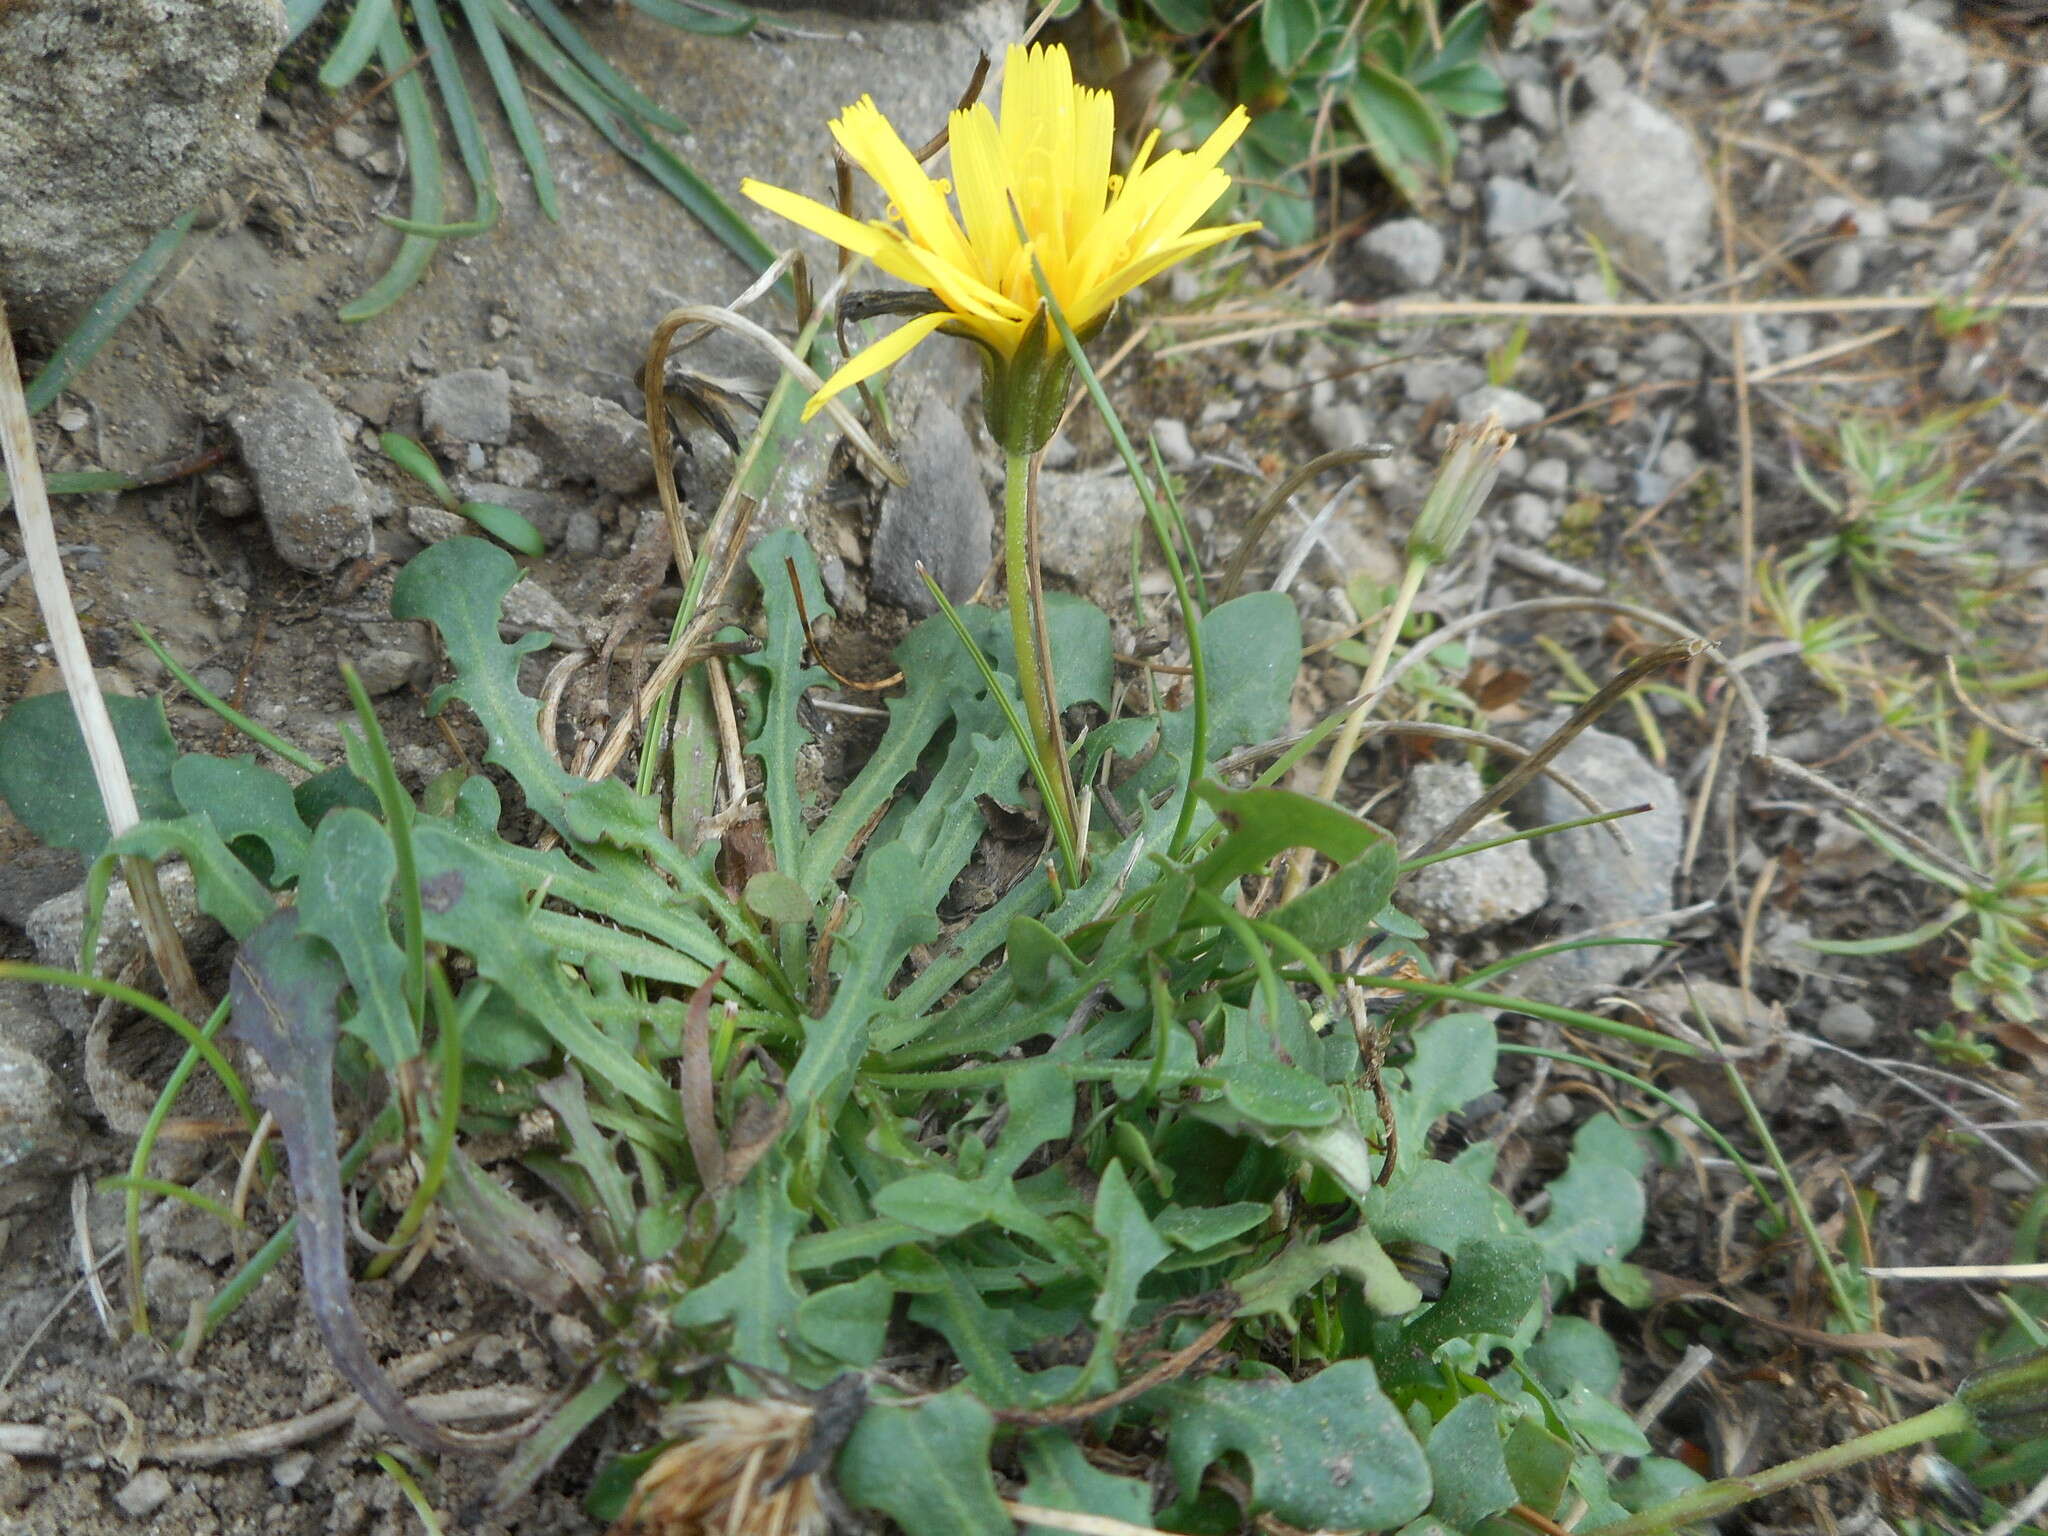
[{"x": 1038, "y": 184}]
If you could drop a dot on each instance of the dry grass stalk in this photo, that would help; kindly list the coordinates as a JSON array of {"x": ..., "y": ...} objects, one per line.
[{"x": 74, "y": 662}]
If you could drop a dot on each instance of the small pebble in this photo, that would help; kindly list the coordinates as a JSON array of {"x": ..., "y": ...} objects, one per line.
[
  {"x": 1551, "y": 477},
  {"x": 144, "y": 1493},
  {"x": 1515, "y": 410},
  {"x": 350, "y": 144},
  {"x": 1848, "y": 1024},
  {"x": 1175, "y": 446},
  {"x": 1532, "y": 517},
  {"x": 290, "y": 1470},
  {"x": 584, "y": 534}
]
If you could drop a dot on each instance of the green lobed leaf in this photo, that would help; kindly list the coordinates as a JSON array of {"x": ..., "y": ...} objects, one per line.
[
  {"x": 1330, "y": 1452},
  {"x": 1135, "y": 1250},
  {"x": 1596, "y": 1204},
  {"x": 344, "y": 898},
  {"x": 1058, "y": 1476},
  {"x": 1276, "y": 1096},
  {"x": 777, "y": 733},
  {"x": 474, "y": 905},
  {"x": 926, "y": 1466},
  {"x": 228, "y": 892},
  {"x": 1572, "y": 1352},
  {"x": 1263, "y": 823},
  {"x": 849, "y": 1323},
  {"x": 1494, "y": 1284},
  {"x": 1453, "y": 1065},
  {"x": 46, "y": 775},
  {"x": 1276, "y": 1286},
  {"x": 757, "y": 1292},
  {"x": 1468, "y": 1464},
  {"x": 1338, "y": 912},
  {"x": 242, "y": 799},
  {"x": 459, "y": 586},
  {"x": 1288, "y": 29}
]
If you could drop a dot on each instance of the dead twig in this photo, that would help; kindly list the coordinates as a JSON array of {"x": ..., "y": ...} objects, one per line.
[{"x": 74, "y": 663}]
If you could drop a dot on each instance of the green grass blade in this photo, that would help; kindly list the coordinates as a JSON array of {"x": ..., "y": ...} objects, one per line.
[
  {"x": 668, "y": 170},
  {"x": 600, "y": 69},
  {"x": 81, "y": 482},
  {"x": 106, "y": 314},
  {"x": 462, "y": 122},
  {"x": 299, "y": 15},
  {"x": 423, "y": 157},
  {"x": 359, "y": 39},
  {"x": 262, "y": 736},
  {"x": 512, "y": 97},
  {"x": 704, "y": 16}
]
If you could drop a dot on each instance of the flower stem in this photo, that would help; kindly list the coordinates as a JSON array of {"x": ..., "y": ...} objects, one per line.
[
  {"x": 1718, "y": 1498},
  {"x": 1027, "y": 629}
]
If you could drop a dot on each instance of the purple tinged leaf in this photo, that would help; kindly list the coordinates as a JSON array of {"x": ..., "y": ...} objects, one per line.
[{"x": 284, "y": 989}]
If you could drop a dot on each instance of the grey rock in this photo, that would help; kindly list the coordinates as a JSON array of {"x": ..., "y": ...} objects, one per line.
[
  {"x": 942, "y": 517},
  {"x": 227, "y": 495},
  {"x": 430, "y": 525},
  {"x": 1914, "y": 155},
  {"x": 1532, "y": 517},
  {"x": 530, "y": 607},
  {"x": 1175, "y": 446},
  {"x": 173, "y": 1284},
  {"x": 1925, "y": 56},
  {"x": 588, "y": 438},
  {"x": 1848, "y": 1023},
  {"x": 1515, "y": 410},
  {"x": 1512, "y": 153},
  {"x": 1594, "y": 883},
  {"x": 144, "y": 1494},
  {"x": 2037, "y": 97},
  {"x": 386, "y": 669},
  {"x": 1839, "y": 269},
  {"x": 1551, "y": 477},
  {"x": 30, "y": 877},
  {"x": 57, "y": 930},
  {"x": 41, "y": 1141},
  {"x": 1536, "y": 104},
  {"x": 584, "y": 534},
  {"x": 1958, "y": 248},
  {"x": 1909, "y": 212},
  {"x": 1640, "y": 186},
  {"x": 312, "y": 500},
  {"x": 1513, "y": 207},
  {"x": 1475, "y": 892},
  {"x": 1087, "y": 522},
  {"x": 351, "y": 144},
  {"x": 1742, "y": 68},
  {"x": 1990, "y": 79},
  {"x": 471, "y": 405},
  {"x": 1341, "y": 424},
  {"x": 1433, "y": 378},
  {"x": 291, "y": 1469},
  {"x": 115, "y": 117},
  {"x": 1402, "y": 254}
]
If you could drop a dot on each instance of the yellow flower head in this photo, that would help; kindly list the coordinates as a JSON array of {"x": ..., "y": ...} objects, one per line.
[{"x": 1045, "y": 167}]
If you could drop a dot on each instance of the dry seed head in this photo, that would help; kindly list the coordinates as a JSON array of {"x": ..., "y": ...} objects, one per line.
[
  {"x": 728, "y": 1475},
  {"x": 1463, "y": 482}
]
